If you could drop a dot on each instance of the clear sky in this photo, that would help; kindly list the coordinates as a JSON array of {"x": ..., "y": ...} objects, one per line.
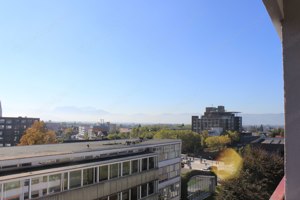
[{"x": 120, "y": 60}]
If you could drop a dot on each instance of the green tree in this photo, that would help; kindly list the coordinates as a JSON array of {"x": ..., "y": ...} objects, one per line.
[
  {"x": 217, "y": 142},
  {"x": 233, "y": 135},
  {"x": 191, "y": 141},
  {"x": 38, "y": 134},
  {"x": 259, "y": 177},
  {"x": 67, "y": 133}
]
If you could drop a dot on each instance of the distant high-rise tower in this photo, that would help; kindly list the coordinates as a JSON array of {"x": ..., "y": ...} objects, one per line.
[{"x": 0, "y": 110}]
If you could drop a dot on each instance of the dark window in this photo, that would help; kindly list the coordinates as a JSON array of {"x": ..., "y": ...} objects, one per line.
[
  {"x": 125, "y": 195},
  {"x": 134, "y": 166},
  {"x": 144, "y": 164},
  {"x": 126, "y": 168},
  {"x": 114, "y": 170},
  {"x": 151, "y": 163},
  {"x": 103, "y": 173},
  {"x": 150, "y": 188},
  {"x": 88, "y": 176},
  {"x": 75, "y": 179},
  {"x": 144, "y": 190},
  {"x": 134, "y": 193}
]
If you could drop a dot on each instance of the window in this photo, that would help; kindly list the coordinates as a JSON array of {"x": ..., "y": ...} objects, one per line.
[
  {"x": 134, "y": 166},
  {"x": 114, "y": 170},
  {"x": 113, "y": 197},
  {"x": 45, "y": 181},
  {"x": 65, "y": 181},
  {"x": 143, "y": 190},
  {"x": 126, "y": 168},
  {"x": 151, "y": 163},
  {"x": 125, "y": 195},
  {"x": 144, "y": 164},
  {"x": 88, "y": 176},
  {"x": 1, "y": 126},
  {"x": 75, "y": 179},
  {"x": 150, "y": 188},
  {"x": 12, "y": 190},
  {"x": 134, "y": 194},
  {"x": 54, "y": 183},
  {"x": 103, "y": 170}
]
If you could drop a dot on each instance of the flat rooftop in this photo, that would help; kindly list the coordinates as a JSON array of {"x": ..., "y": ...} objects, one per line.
[{"x": 18, "y": 152}]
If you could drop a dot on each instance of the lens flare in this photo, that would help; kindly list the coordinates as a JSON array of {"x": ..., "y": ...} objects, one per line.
[{"x": 229, "y": 164}]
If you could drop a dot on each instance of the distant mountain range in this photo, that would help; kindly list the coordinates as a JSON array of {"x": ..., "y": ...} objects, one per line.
[
  {"x": 72, "y": 113},
  {"x": 266, "y": 119}
]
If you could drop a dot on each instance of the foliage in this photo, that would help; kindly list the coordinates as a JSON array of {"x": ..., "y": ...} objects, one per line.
[
  {"x": 144, "y": 132},
  {"x": 38, "y": 134},
  {"x": 190, "y": 140},
  {"x": 233, "y": 135},
  {"x": 217, "y": 142},
  {"x": 113, "y": 136},
  {"x": 277, "y": 132},
  {"x": 67, "y": 133},
  {"x": 259, "y": 177}
]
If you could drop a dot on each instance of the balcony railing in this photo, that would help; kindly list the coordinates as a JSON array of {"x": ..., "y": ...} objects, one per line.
[{"x": 279, "y": 192}]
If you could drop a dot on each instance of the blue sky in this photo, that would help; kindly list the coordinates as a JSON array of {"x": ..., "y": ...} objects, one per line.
[{"x": 106, "y": 59}]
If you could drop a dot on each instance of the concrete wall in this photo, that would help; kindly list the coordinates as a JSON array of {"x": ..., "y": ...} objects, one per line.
[
  {"x": 106, "y": 188},
  {"x": 291, "y": 63}
]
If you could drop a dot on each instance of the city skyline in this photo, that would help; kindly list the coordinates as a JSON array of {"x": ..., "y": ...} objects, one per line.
[{"x": 133, "y": 59}]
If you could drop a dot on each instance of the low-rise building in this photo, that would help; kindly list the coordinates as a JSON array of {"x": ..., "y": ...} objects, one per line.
[{"x": 106, "y": 170}]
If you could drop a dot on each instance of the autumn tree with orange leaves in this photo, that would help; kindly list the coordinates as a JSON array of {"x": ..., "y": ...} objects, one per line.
[{"x": 38, "y": 134}]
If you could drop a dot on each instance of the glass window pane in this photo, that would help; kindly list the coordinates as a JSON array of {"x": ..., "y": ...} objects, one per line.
[
  {"x": 150, "y": 188},
  {"x": 134, "y": 166},
  {"x": 125, "y": 195},
  {"x": 54, "y": 183},
  {"x": 65, "y": 181},
  {"x": 151, "y": 162},
  {"x": 126, "y": 168},
  {"x": 12, "y": 190},
  {"x": 75, "y": 179},
  {"x": 88, "y": 176},
  {"x": 114, "y": 170},
  {"x": 144, "y": 164},
  {"x": 134, "y": 193},
  {"x": 113, "y": 197},
  {"x": 103, "y": 170},
  {"x": 144, "y": 190}
]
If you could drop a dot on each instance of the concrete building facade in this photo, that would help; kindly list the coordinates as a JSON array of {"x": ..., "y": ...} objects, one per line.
[
  {"x": 217, "y": 119},
  {"x": 92, "y": 171}
]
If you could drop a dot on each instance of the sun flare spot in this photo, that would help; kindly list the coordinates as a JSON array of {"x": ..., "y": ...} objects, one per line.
[{"x": 230, "y": 164}]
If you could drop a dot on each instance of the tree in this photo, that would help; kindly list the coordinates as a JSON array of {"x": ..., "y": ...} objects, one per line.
[
  {"x": 259, "y": 177},
  {"x": 190, "y": 140},
  {"x": 38, "y": 134},
  {"x": 217, "y": 142},
  {"x": 233, "y": 135}
]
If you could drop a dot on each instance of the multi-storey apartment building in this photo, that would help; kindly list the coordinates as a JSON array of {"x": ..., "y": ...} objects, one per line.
[
  {"x": 218, "y": 119},
  {"x": 92, "y": 171},
  {"x": 12, "y": 129}
]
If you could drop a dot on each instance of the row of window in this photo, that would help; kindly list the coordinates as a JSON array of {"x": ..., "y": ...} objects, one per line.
[
  {"x": 10, "y": 127},
  {"x": 41, "y": 186},
  {"x": 9, "y": 121},
  {"x": 169, "y": 172},
  {"x": 135, "y": 193},
  {"x": 169, "y": 192},
  {"x": 168, "y": 152}
]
